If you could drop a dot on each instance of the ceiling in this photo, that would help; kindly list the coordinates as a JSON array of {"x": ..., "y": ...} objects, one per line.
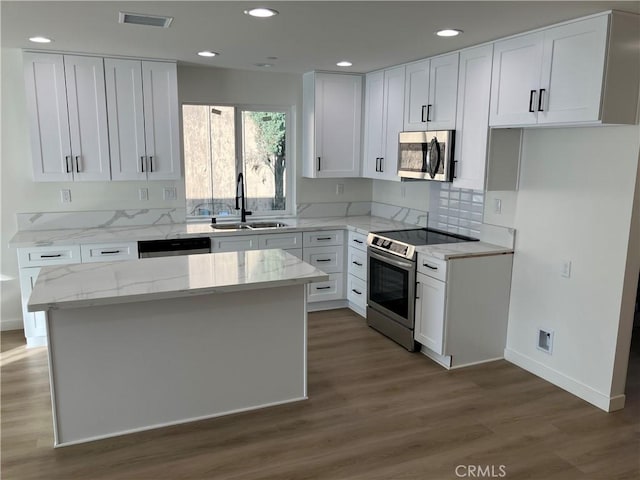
[{"x": 305, "y": 36}]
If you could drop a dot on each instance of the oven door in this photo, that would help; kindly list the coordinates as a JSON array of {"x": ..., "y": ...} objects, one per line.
[{"x": 392, "y": 286}]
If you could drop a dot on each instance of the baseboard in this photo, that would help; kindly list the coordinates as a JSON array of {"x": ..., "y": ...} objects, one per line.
[
  {"x": 571, "y": 385},
  {"x": 444, "y": 360},
  {"x": 356, "y": 309},
  {"x": 328, "y": 305},
  {"x": 11, "y": 324}
]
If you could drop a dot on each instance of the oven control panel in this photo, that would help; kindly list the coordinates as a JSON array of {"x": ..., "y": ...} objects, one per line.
[{"x": 392, "y": 246}]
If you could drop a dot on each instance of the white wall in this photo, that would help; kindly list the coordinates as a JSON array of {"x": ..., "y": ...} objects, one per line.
[
  {"x": 217, "y": 85},
  {"x": 402, "y": 194},
  {"x": 574, "y": 203}
]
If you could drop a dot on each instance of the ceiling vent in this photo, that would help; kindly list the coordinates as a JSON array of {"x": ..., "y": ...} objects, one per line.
[{"x": 144, "y": 19}]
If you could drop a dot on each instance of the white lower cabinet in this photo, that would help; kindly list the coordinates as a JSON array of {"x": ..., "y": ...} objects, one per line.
[
  {"x": 357, "y": 273},
  {"x": 462, "y": 307},
  {"x": 324, "y": 249},
  {"x": 35, "y": 323},
  {"x": 332, "y": 289},
  {"x": 235, "y": 243},
  {"x": 109, "y": 252},
  {"x": 357, "y": 291}
]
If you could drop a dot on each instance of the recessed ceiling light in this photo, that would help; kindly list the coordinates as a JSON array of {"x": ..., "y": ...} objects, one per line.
[
  {"x": 344, "y": 63},
  {"x": 40, "y": 39},
  {"x": 263, "y": 65},
  {"x": 261, "y": 12},
  {"x": 448, "y": 32},
  {"x": 207, "y": 53}
]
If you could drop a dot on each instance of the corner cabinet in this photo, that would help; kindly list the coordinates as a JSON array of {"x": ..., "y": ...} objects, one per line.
[
  {"x": 430, "y": 94},
  {"x": 68, "y": 117},
  {"x": 331, "y": 125},
  {"x": 577, "y": 73},
  {"x": 384, "y": 119},
  {"x": 142, "y": 100}
]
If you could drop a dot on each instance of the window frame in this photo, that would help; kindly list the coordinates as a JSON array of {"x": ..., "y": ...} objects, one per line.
[{"x": 290, "y": 157}]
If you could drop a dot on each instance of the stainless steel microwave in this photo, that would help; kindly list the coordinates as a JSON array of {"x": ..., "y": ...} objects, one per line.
[{"x": 426, "y": 155}]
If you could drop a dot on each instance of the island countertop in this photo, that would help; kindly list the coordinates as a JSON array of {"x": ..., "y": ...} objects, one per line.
[{"x": 95, "y": 284}]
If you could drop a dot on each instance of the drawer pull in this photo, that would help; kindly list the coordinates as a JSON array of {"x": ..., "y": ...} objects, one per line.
[
  {"x": 356, "y": 291},
  {"x": 429, "y": 266},
  {"x": 51, "y": 256},
  {"x": 357, "y": 263},
  {"x": 323, "y": 288},
  {"x": 358, "y": 241},
  {"x": 323, "y": 238},
  {"x": 109, "y": 252},
  {"x": 323, "y": 260}
]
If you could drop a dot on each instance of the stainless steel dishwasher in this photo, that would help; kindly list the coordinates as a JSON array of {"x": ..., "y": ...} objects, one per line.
[{"x": 175, "y": 247}]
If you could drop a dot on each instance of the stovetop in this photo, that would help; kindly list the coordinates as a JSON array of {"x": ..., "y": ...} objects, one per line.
[{"x": 403, "y": 242}]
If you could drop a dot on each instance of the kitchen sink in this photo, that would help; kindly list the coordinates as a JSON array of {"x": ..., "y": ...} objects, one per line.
[{"x": 247, "y": 226}]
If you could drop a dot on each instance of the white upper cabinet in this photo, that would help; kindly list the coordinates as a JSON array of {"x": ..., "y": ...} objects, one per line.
[
  {"x": 416, "y": 96},
  {"x": 68, "y": 117},
  {"x": 142, "y": 98},
  {"x": 332, "y": 113},
  {"x": 384, "y": 120},
  {"x": 578, "y": 73},
  {"x": 443, "y": 90},
  {"x": 472, "y": 118},
  {"x": 431, "y": 94}
]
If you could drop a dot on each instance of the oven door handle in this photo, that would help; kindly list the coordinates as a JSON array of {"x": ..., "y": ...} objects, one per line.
[{"x": 398, "y": 263}]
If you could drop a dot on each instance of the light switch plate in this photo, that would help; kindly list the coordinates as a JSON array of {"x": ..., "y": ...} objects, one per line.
[
  {"x": 566, "y": 269},
  {"x": 143, "y": 194},
  {"x": 65, "y": 195},
  {"x": 497, "y": 205},
  {"x": 170, "y": 193}
]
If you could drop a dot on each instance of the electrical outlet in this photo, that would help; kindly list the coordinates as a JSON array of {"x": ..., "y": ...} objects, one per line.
[
  {"x": 565, "y": 269},
  {"x": 545, "y": 340},
  {"x": 339, "y": 188},
  {"x": 65, "y": 195},
  {"x": 497, "y": 205},
  {"x": 143, "y": 193},
  {"x": 170, "y": 193}
]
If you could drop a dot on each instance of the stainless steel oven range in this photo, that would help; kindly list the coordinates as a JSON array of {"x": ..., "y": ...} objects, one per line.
[{"x": 391, "y": 283}]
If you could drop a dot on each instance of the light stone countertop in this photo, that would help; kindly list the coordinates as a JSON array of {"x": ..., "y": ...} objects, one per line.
[
  {"x": 461, "y": 250},
  {"x": 106, "y": 283},
  {"x": 74, "y": 236}
]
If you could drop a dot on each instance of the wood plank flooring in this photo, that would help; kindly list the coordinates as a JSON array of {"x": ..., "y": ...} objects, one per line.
[{"x": 374, "y": 411}]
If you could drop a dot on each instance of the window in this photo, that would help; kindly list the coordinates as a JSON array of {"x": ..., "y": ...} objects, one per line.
[{"x": 222, "y": 141}]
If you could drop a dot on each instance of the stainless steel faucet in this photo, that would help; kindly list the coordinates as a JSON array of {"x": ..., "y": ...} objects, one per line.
[{"x": 240, "y": 199}]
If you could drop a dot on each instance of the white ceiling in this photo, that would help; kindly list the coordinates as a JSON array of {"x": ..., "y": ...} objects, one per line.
[{"x": 305, "y": 36}]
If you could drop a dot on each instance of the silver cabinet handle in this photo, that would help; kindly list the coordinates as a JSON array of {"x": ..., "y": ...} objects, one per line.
[
  {"x": 429, "y": 266},
  {"x": 77, "y": 163},
  {"x": 66, "y": 164}
]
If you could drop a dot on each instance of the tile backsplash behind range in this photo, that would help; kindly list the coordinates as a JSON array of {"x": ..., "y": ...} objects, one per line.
[{"x": 456, "y": 210}]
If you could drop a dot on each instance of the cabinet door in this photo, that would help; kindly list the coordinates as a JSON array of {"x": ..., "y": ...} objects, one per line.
[
  {"x": 472, "y": 117},
  {"x": 338, "y": 112},
  {"x": 87, "y": 106},
  {"x": 327, "y": 259},
  {"x": 48, "y": 122},
  {"x": 373, "y": 118},
  {"x": 430, "y": 313},
  {"x": 35, "y": 323},
  {"x": 516, "y": 80},
  {"x": 573, "y": 71},
  {"x": 416, "y": 96},
  {"x": 162, "y": 139},
  {"x": 443, "y": 90},
  {"x": 237, "y": 243},
  {"x": 393, "y": 122},
  {"x": 123, "y": 80},
  {"x": 332, "y": 289}
]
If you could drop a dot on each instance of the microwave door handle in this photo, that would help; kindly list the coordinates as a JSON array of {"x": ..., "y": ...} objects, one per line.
[{"x": 425, "y": 157}]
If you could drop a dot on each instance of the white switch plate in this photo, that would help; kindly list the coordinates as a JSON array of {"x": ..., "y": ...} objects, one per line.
[
  {"x": 65, "y": 195},
  {"x": 566, "y": 269},
  {"x": 169, "y": 193},
  {"x": 497, "y": 205},
  {"x": 339, "y": 188},
  {"x": 143, "y": 193}
]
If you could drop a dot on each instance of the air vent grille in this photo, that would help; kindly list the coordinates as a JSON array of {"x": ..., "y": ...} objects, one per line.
[{"x": 144, "y": 19}]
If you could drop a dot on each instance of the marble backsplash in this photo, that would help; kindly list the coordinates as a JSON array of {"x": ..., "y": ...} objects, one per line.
[
  {"x": 100, "y": 218},
  {"x": 350, "y": 209}
]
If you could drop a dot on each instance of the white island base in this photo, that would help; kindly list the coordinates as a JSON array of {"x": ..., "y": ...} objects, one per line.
[{"x": 128, "y": 367}]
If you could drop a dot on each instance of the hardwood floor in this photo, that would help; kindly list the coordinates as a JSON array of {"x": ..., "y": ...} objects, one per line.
[{"x": 374, "y": 411}]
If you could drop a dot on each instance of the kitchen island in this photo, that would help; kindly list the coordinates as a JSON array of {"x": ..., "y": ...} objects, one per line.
[{"x": 148, "y": 343}]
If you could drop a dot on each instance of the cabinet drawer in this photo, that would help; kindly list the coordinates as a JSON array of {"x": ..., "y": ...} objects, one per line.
[
  {"x": 327, "y": 259},
  {"x": 41, "y": 256},
  {"x": 237, "y": 243},
  {"x": 358, "y": 263},
  {"x": 357, "y": 291},
  {"x": 109, "y": 252},
  {"x": 332, "y": 289},
  {"x": 281, "y": 240},
  {"x": 329, "y": 237},
  {"x": 432, "y": 267},
  {"x": 358, "y": 240}
]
